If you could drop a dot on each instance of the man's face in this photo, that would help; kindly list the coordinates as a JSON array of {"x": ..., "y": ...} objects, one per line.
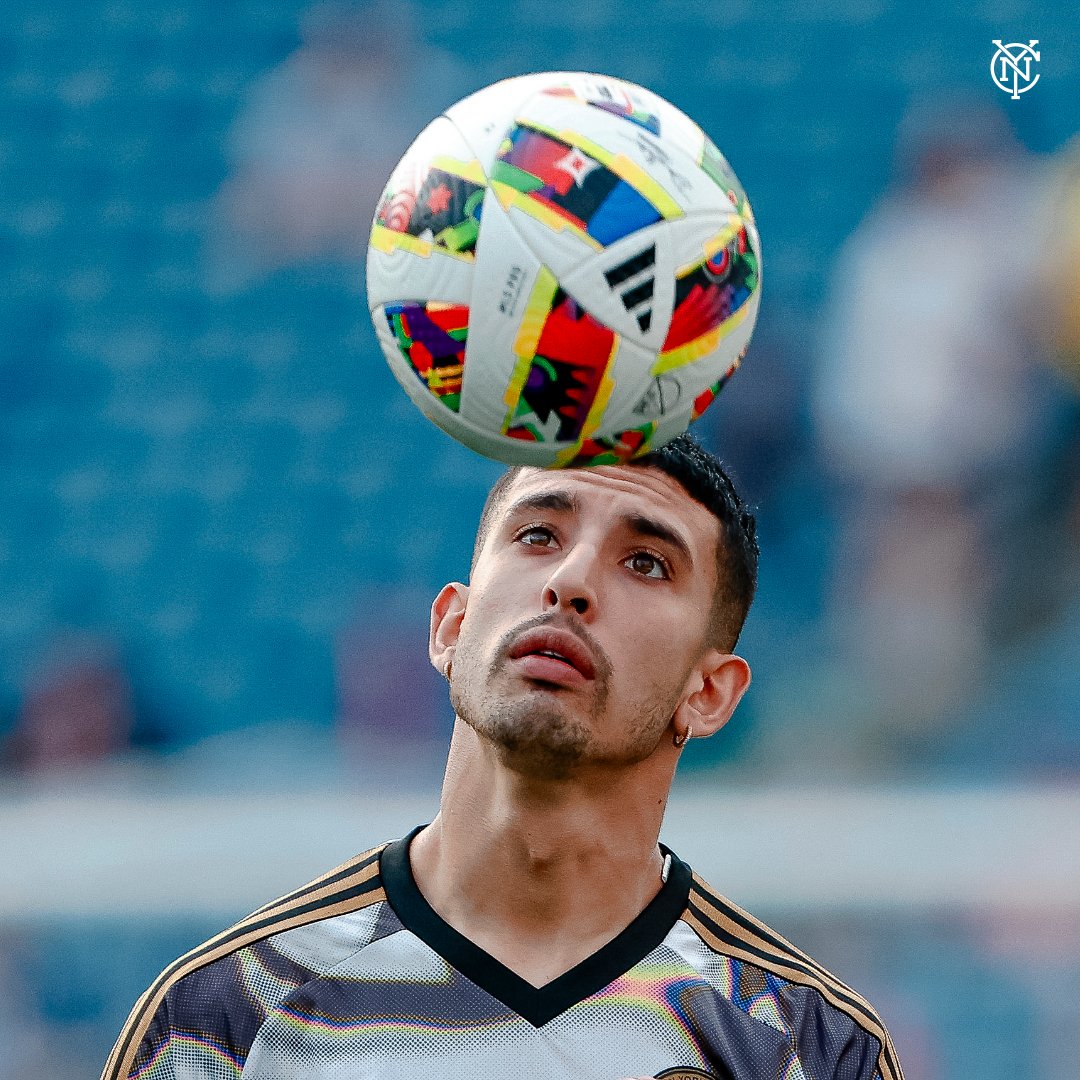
[{"x": 586, "y": 614}]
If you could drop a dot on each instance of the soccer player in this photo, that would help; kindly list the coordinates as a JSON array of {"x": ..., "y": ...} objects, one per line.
[{"x": 536, "y": 928}]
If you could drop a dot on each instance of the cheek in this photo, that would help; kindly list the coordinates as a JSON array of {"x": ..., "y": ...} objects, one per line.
[
  {"x": 491, "y": 610},
  {"x": 660, "y": 646}
]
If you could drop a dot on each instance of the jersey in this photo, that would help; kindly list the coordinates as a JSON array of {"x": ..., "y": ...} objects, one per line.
[{"x": 357, "y": 976}]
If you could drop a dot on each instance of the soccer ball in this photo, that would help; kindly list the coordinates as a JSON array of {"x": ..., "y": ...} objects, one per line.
[{"x": 563, "y": 270}]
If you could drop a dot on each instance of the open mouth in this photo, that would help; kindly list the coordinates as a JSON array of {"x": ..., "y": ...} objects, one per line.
[
  {"x": 553, "y": 655},
  {"x": 549, "y": 668}
]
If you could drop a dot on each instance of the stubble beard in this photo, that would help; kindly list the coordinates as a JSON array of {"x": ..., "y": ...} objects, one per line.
[{"x": 539, "y": 732}]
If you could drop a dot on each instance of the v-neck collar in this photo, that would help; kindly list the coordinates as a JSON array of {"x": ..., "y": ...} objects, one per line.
[{"x": 537, "y": 1004}]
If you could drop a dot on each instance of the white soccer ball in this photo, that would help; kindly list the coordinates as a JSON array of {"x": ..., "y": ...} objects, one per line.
[{"x": 563, "y": 270}]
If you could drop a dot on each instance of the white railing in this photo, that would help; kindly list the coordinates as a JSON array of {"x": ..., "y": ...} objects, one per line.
[{"x": 75, "y": 849}]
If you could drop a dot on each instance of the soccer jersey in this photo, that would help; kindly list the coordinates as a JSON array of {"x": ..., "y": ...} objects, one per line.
[{"x": 356, "y": 976}]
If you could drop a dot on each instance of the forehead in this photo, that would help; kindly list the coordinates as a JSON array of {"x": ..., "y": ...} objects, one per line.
[{"x": 624, "y": 489}]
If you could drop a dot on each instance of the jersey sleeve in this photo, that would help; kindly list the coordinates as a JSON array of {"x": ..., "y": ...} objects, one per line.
[
  {"x": 198, "y": 1020},
  {"x": 833, "y": 1032},
  {"x": 143, "y": 1045},
  {"x": 201, "y": 1030},
  {"x": 828, "y": 1042}
]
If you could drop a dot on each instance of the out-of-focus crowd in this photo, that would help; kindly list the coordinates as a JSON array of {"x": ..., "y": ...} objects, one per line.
[
  {"x": 911, "y": 442},
  {"x": 215, "y": 562}
]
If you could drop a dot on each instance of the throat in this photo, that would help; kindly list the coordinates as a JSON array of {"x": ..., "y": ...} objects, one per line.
[
  {"x": 539, "y": 910},
  {"x": 540, "y": 946},
  {"x": 543, "y": 959},
  {"x": 540, "y": 971}
]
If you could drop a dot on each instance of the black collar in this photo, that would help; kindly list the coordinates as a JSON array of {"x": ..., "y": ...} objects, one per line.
[{"x": 538, "y": 1005}]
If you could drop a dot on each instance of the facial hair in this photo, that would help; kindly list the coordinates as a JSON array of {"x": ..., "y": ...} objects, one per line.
[{"x": 540, "y": 733}]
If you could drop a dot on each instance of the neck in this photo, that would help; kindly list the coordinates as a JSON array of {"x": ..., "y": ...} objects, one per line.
[{"x": 539, "y": 869}]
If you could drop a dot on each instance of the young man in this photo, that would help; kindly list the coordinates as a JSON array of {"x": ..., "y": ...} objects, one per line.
[{"x": 536, "y": 928}]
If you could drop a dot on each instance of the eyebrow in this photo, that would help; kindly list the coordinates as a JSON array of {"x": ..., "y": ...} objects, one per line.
[
  {"x": 640, "y": 524},
  {"x": 647, "y": 526},
  {"x": 562, "y": 501}
]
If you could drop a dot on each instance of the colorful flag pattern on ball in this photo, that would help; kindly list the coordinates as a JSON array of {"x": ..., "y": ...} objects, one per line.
[
  {"x": 432, "y": 338},
  {"x": 564, "y": 269}
]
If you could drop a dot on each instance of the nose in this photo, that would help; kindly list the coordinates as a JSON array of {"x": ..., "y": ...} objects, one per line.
[{"x": 569, "y": 586}]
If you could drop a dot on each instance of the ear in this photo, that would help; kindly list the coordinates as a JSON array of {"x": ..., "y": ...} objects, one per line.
[
  {"x": 716, "y": 686},
  {"x": 447, "y": 611}
]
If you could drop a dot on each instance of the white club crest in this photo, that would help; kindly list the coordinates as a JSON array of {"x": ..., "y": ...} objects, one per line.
[{"x": 1010, "y": 67}]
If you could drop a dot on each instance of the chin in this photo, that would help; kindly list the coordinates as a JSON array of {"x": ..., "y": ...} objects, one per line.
[{"x": 534, "y": 734}]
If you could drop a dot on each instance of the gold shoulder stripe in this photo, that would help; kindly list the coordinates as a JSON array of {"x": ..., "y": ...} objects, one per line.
[
  {"x": 887, "y": 1063},
  {"x": 787, "y": 966},
  {"x": 350, "y": 887},
  {"x": 753, "y": 928},
  {"x": 730, "y": 930},
  {"x": 355, "y": 865},
  {"x": 733, "y": 922}
]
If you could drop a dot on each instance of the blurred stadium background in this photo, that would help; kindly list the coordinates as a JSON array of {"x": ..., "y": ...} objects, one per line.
[{"x": 221, "y": 522}]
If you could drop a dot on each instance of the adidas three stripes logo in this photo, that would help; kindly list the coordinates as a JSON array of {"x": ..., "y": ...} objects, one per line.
[{"x": 634, "y": 280}]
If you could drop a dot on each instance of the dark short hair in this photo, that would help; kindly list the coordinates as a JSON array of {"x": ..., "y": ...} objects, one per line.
[{"x": 702, "y": 476}]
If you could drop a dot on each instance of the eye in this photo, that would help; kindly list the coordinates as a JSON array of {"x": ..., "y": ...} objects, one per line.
[
  {"x": 647, "y": 565},
  {"x": 536, "y": 536}
]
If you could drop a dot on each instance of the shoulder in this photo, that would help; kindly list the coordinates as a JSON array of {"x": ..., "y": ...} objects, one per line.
[
  {"x": 213, "y": 999},
  {"x": 831, "y": 1027}
]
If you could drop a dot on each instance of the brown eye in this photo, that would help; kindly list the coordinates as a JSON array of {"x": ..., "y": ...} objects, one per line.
[
  {"x": 536, "y": 536},
  {"x": 647, "y": 565}
]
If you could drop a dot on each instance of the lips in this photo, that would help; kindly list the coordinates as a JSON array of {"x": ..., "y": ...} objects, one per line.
[{"x": 558, "y": 647}]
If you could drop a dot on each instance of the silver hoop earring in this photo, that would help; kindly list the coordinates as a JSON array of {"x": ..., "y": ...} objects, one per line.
[{"x": 679, "y": 741}]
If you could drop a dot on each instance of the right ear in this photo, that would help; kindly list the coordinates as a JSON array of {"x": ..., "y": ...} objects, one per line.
[{"x": 447, "y": 611}]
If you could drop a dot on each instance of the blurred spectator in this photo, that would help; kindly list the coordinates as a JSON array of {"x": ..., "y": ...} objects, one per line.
[
  {"x": 77, "y": 709},
  {"x": 1025, "y": 722},
  {"x": 318, "y": 136},
  {"x": 941, "y": 425},
  {"x": 1060, "y": 284}
]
